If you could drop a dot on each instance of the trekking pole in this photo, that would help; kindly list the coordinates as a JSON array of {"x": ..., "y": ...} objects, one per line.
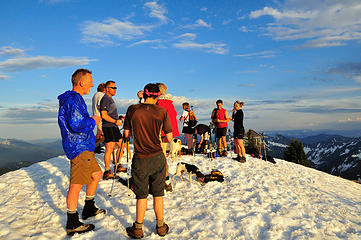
[
  {"x": 229, "y": 141},
  {"x": 116, "y": 168}
]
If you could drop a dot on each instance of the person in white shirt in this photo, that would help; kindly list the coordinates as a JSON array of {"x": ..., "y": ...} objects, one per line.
[{"x": 96, "y": 106}]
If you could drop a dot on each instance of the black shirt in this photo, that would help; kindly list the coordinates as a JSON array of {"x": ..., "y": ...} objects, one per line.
[
  {"x": 107, "y": 104},
  {"x": 238, "y": 120},
  {"x": 202, "y": 129}
]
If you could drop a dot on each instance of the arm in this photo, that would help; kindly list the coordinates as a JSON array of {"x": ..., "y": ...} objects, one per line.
[
  {"x": 78, "y": 118},
  {"x": 107, "y": 118},
  {"x": 126, "y": 133}
]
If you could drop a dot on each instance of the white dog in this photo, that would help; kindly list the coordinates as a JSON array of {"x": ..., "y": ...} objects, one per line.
[{"x": 175, "y": 148}]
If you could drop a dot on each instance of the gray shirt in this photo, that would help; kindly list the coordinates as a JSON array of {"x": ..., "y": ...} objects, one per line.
[{"x": 107, "y": 104}]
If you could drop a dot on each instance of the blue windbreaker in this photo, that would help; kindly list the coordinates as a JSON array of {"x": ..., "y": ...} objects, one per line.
[{"x": 75, "y": 124}]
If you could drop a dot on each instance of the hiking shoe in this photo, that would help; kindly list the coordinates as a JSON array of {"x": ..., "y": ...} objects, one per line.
[
  {"x": 135, "y": 231},
  {"x": 242, "y": 159},
  {"x": 121, "y": 169},
  {"x": 90, "y": 210},
  {"x": 224, "y": 153},
  {"x": 237, "y": 158},
  {"x": 73, "y": 225},
  {"x": 168, "y": 187},
  {"x": 108, "y": 174},
  {"x": 163, "y": 230}
]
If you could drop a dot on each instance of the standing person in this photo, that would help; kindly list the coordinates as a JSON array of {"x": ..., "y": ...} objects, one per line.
[
  {"x": 204, "y": 131},
  {"x": 187, "y": 130},
  {"x": 96, "y": 107},
  {"x": 165, "y": 101},
  {"x": 220, "y": 119},
  {"x": 112, "y": 135},
  {"x": 238, "y": 132},
  {"x": 144, "y": 122},
  {"x": 78, "y": 141}
]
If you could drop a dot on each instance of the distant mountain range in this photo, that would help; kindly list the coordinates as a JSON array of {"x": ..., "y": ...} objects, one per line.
[
  {"x": 334, "y": 154},
  {"x": 15, "y": 154}
]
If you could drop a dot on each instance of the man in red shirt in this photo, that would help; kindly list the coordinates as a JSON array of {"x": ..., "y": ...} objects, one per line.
[{"x": 220, "y": 120}]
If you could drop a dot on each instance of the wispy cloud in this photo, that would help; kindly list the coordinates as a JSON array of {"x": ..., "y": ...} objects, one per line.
[
  {"x": 211, "y": 47},
  {"x": 263, "y": 54},
  {"x": 351, "y": 70},
  {"x": 325, "y": 110},
  {"x": 321, "y": 23},
  {"x": 244, "y": 29},
  {"x": 28, "y": 63},
  {"x": 358, "y": 119},
  {"x": 204, "y": 9},
  {"x": 143, "y": 42},
  {"x": 198, "y": 24},
  {"x": 187, "y": 36},
  {"x": 110, "y": 30},
  {"x": 3, "y": 77},
  {"x": 157, "y": 11},
  {"x": 10, "y": 51}
]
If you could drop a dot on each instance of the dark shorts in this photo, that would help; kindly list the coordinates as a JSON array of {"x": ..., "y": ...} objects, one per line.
[
  {"x": 238, "y": 134},
  {"x": 111, "y": 134},
  {"x": 221, "y": 132},
  {"x": 82, "y": 167},
  {"x": 149, "y": 176},
  {"x": 188, "y": 130}
]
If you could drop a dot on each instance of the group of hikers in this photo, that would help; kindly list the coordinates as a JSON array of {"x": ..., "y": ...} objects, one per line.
[{"x": 152, "y": 124}]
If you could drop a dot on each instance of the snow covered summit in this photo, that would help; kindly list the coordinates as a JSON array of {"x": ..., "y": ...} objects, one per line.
[{"x": 257, "y": 200}]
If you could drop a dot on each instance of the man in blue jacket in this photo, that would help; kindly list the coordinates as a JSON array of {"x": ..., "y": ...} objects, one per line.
[{"x": 78, "y": 140}]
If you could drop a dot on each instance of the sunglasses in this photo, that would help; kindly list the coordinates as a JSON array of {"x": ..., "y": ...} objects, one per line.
[{"x": 113, "y": 87}]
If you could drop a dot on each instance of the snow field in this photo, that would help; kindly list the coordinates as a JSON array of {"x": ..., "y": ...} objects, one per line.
[{"x": 257, "y": 200}]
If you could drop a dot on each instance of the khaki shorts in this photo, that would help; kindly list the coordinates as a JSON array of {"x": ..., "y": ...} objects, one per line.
[{"x": 82, "y": 167}]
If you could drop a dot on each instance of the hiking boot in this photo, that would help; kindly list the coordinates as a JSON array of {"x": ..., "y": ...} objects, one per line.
[
  {"x": 237, "y": 158},
  {"x": 121, "y": 169},
  {"x": 135, "y": 231},
  {"x": 73, "y": 225},
  {"x": 108, "y": 174},
  {"x": 163, "y": 230},
  {"x": 224, "y": 153},
  {"x": 243, "y": 159},
  {"x": 168, "y": 187},
  {"x": 90, "y": 210}
]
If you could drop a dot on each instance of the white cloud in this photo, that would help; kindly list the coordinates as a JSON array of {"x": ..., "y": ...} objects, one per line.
[
  {"x": 198, "y": 24},
  {"x": 157, "y": 11},
  {"x": 104, "y": 32},
  {"x": 10, "y": 51},
  {"x": 321, "y": 23},
  {"x": 204, "y": 9},
  {"x": 218, "y": 48},
  {"x": 3, "y": 77},
  {"x": 263, "y": 54},
  {"x": 142, "y": 42},
  {"x": 189, "y": 36},
  {"x": 28, "y": 63},
  {"x": 244, "y": 29}
]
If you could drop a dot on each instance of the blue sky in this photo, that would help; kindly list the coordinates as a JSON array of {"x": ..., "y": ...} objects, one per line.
[{"x": 296, "y": 64}]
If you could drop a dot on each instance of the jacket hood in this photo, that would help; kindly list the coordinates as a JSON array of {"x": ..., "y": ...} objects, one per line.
[
  {"x": 166, "y": 97},
  {"x": 63, "y": 97}
]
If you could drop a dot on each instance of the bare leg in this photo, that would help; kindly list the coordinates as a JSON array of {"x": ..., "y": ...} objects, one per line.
[
  {"x": 189, "y": 140},
  {"x": 158, "y": 207},
  {"x": 73, "y": 196},
  {"x": 108, "y": 152},
  {"x": 224, "y": 139},
  {"x": 243, "y": 150},
  {"x": 141, "y": 208},
  {"x": 236, "y": 150},
  {"x": 92, "y": 187}
]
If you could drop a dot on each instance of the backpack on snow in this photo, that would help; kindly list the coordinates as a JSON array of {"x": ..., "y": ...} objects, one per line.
[{"x": 215, "y": 175}]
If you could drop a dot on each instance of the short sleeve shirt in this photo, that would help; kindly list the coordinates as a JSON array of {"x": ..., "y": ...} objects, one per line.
[
  {"x": 96, "y": 102},
  {"x": 107, "y": 104},
  {"x": 185, "y": 116},
  {"x": 146, "y": 121}
]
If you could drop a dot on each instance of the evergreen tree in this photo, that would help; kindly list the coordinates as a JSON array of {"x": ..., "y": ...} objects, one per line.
[{"x": 295, "y": 153}]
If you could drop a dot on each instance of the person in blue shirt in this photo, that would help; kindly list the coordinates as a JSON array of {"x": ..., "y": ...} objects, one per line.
[{"x": 76, "y": 127}]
